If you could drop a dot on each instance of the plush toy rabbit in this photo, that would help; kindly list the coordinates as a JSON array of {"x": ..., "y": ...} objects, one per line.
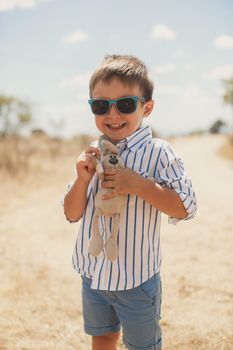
[{"x": 107, "y": 207}]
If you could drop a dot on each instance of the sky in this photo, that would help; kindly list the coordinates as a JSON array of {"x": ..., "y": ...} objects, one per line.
[{"x": 49, "y": 48}]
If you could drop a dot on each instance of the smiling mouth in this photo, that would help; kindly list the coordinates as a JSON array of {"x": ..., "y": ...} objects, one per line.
[{"x": 116, "y": 126}]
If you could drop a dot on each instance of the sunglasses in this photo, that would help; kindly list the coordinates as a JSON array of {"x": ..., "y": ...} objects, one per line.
[{"x": 124, "y": 105}]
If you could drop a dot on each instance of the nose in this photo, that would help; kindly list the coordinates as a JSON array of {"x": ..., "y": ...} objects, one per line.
[
  {"x": 113, "y": 111},
  {"x": 113, "y": 160}
]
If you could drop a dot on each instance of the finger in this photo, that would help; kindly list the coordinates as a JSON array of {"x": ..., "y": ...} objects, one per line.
[
  {"x": 90, "y": 159},
  {"x": 87, "y": 160},
  {"x": 110, "y": 195},
  {"x": 109, "y": 177},
  {"x": 87, "y": 166},
  {"x": 84, "y": 161},
  {"x": 110, "y": 172},
  {"x": 108, "y": 184},
  {"x": 90, "y": 167},
  {"x": 93, "y": 150},
  {"x": 91, "y": 162}
]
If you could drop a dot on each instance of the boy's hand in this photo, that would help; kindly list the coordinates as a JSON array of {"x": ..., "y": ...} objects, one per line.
[
  {"x": 122, "y": 181},
  {"x": 86, "y": 163}
]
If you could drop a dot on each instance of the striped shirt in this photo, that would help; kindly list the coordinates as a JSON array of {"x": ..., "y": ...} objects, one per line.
[{"x": 139, "y": 230}]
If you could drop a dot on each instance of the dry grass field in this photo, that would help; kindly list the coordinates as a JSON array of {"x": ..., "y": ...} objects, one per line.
[{"x": 40, "y": 300}]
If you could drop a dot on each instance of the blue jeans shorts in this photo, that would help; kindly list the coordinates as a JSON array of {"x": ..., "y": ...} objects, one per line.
[{"x": 136, "y": 310}]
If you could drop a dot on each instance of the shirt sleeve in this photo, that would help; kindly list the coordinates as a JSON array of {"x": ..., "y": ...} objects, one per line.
[{"x": 171, "y": 174}]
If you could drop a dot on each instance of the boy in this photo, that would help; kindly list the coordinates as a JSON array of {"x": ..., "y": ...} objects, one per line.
[{"x": 126, "y": 292}]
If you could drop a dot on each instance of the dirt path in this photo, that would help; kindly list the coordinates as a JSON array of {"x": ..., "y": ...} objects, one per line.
[
  {"x": 197, "y": 269},
  {"x": 40, "y": 302}
]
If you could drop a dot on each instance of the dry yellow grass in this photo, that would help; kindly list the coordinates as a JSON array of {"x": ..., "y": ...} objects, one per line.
[
  {"x": 20, "y": 156},
  {"x": 40, "y": 299}
]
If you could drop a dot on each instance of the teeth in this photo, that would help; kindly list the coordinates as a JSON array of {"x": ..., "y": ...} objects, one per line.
[{"x": 115, "y": 125}]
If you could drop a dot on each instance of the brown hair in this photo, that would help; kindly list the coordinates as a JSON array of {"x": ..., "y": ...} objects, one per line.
[{"x": 128, "y": 69}]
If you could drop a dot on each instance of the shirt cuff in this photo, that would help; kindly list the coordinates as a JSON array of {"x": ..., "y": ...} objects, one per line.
[{"x": 189, "y": 203}]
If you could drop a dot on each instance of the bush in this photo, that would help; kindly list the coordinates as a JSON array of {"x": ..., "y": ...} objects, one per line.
[{"x": 217, "y": 126}]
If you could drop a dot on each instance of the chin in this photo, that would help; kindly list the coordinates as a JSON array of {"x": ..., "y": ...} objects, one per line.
[{"x": 116, "y": 136}]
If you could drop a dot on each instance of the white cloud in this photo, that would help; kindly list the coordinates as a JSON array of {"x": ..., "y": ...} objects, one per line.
[
  {"x": 192, "y": 91},
  {"x": 76, "y": 37},
  {"x": 165, "y": 68},
  {"x": 224, "y": 41},
  {"x": 79, "y": 80},
  {"x": 163, "y": 32},
  {"x": 178, "y": 54},
  {"x": 168, "y": 90},
  {"x": 9, "y": 5},
  {"x": 220, "y": 72},
  {"x": 188, "y": 67},
  {"x": 189, "y": 91}
]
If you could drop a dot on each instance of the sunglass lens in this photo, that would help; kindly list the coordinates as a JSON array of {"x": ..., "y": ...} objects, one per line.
[
  {"x": 100, "y": 107},
  {"x": 126, "y": 105}
]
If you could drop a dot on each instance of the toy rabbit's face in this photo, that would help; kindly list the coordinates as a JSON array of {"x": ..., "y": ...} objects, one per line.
[
  {"x": 110, "y": 158},
  {"x": 111, "y": 161}
]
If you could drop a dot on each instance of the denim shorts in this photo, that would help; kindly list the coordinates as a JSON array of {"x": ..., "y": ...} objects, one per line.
[{"x": 136, "y": 311}]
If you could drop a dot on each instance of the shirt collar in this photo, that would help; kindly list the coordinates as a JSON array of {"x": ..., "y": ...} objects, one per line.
[{"x": 134, "y": 141}]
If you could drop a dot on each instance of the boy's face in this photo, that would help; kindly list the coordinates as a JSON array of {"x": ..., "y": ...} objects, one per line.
[{"x": 115, "y": 125}]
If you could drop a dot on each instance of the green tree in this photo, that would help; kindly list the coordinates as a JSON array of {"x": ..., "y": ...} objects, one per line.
[
  {"x": 14, "y": 113},
  {"x": 228, "y": 96}
]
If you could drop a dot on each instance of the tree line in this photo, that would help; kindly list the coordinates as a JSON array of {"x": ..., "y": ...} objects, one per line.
[{"x": 16, "y": 113}]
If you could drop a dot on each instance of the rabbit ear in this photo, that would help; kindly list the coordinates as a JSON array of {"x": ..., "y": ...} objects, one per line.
[{"x": 108, "y": 146}]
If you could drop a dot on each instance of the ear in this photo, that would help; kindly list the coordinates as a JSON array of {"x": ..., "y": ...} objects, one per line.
[
  {"x": 148, "y": 108},
  {"x": 108, "y": 146}
]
